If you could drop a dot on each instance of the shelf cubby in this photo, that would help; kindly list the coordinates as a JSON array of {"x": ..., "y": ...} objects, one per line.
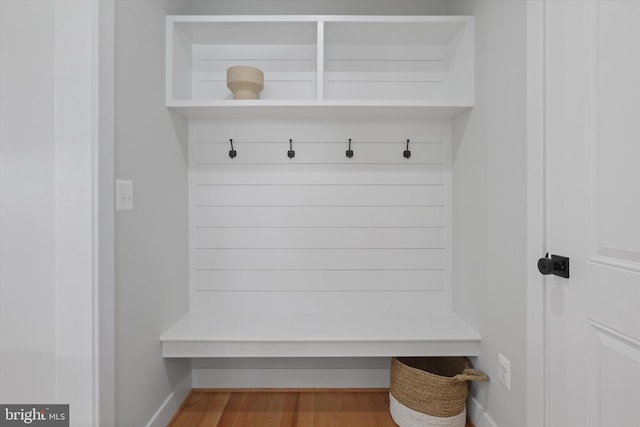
[
  {"x": 412, "y": 59},
  {"x": 202, "y": 48},
  {"x": 313, "y": 63}
]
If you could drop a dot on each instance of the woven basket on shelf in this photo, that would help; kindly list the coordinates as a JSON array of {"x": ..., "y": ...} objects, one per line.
[{"x": 431, "y": 391}]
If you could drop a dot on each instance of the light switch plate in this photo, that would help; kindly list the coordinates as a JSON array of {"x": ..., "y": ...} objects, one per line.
[{"x": 124, "y": 195}]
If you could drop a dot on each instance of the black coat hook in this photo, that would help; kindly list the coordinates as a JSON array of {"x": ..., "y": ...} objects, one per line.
[
  {"x": 407, "y": 153},
  {"x": 291, "y": 154},
  {"x": 232, "y": 152},
  {"x": 349, "y": 151}
]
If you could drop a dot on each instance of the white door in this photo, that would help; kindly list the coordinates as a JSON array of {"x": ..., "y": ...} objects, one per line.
[{"x": 593, "y": 195}]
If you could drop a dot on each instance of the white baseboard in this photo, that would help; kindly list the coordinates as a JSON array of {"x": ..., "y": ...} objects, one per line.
[
  {"x": 478, "y": 415},
  {"x": 290, "y": 378},
  {"x": 172, "y": 403}
]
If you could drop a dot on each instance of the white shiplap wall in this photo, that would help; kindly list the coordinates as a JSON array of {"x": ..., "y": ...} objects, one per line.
[{"x": 320, "y": 232}]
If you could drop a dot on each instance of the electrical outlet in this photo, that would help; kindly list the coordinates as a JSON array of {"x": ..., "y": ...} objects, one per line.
[
  {"x": 504, "y": 371},
  {"x": 124, "y": 195}
]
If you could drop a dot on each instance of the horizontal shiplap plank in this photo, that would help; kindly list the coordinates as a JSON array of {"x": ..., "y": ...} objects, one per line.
[
  {"x": 303, "y": 238},
  {"x": 250, "y": 30},
  {"x": 319, "y": 216},
  {"x": 293, "y": 173},
  {"x": 268, "y": 56},
  {"x": 353, "y": 280},
  {"x": 325, "y": 195},
  {"x": 298, "y": 87},
  {"x": 208, "y": 68},
  {"x": 273, "y": 79},
  {"x": 361, "y": 52},
  {"x": 319, "y": 259},
  {"x": 318, "y": 152},
  {"x": 366, "y": 68},
  {"x": 384, "y": 78},
  {"x": 328, "y": 303},
  {"x": 347, "y": 86},
  {"x": 360, "y": 133}
]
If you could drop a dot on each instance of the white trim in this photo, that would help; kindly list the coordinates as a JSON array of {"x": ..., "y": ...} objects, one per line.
[
  {"x": 315, "y": 18},
  {"x": 536, "y": 216},
  {"x": 171, "y": 404},
  {"x": 95, "y": 216},
  {"x": 168, "y": 67},
  {"x": 320, "y": 61},
  {"x": 104, "y": 310},
  {"x": 291, "y": 378},
  {"x": 478, "y": 415},
  {"x": 615, "y": 258},
  {"x": 75, "y": 80}
]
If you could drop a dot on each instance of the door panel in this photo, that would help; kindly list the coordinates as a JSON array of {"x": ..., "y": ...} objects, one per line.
[
  {"x": 612, "y": 38},
  {"x": 593, "y": 200},
  {"x": 615, "y": 367}
]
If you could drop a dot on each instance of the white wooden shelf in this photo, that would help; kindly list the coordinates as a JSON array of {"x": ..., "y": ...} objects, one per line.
[
  {"x": 319, "y": 335},
  {"x": 331, "y": 109},
  {"x": 313, "y": 64}
]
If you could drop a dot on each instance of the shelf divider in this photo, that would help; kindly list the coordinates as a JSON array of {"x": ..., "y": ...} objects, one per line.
[{"x": 320, "y": 61}]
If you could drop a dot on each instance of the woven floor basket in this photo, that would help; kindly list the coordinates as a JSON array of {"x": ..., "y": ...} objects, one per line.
[{"x": 431, "y": 391}]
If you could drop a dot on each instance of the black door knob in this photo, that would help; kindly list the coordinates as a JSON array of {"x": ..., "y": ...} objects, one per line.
[
  {"x": 556, "y": 265},
  {"x": 545, "y": 265}
]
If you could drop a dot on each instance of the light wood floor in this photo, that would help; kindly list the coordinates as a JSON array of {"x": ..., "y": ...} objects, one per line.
[{"x": 285, "y": 408}]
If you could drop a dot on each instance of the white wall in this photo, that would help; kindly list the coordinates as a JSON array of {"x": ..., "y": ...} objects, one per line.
[
  {"x": 151, "y": 241},
  {"x": 48, "y": 128},
  {"x": 489, "y": 203},
  {"x": 27, "y": 202}
]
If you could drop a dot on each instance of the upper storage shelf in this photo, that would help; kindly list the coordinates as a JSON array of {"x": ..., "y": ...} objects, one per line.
[{"x": 315, "y": 63}]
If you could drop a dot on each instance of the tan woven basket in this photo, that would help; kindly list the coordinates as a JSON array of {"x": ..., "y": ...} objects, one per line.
[{"x": 436, "y": 386}]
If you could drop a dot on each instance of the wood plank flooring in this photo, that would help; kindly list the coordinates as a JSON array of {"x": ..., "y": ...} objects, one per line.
[{"x": 285, "y": 408}]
